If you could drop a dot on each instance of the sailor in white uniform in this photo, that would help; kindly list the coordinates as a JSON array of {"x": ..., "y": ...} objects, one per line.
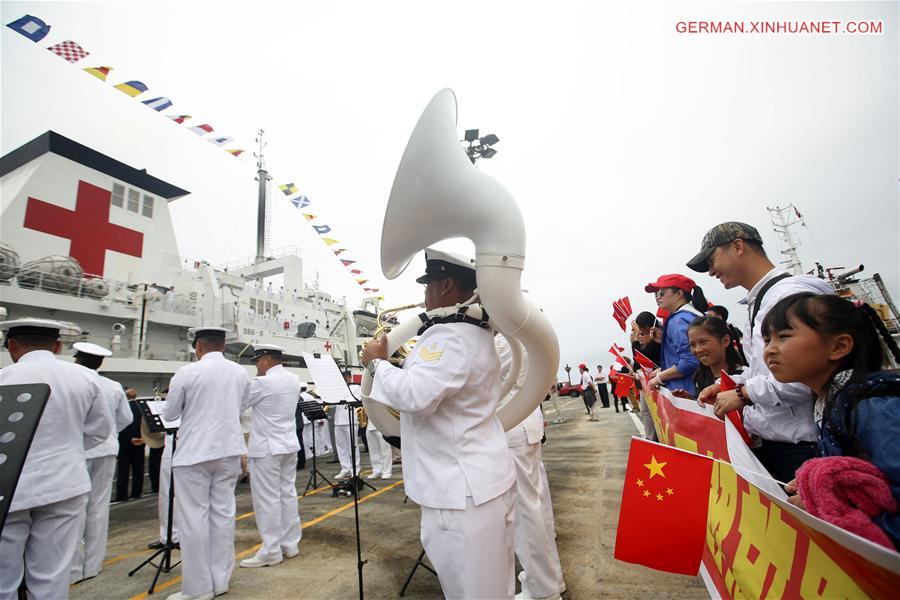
[
  {"x": 379, "y": 452},
  {"x": 101, "y": 464},
  {"x": 272, "y": 452},
  {"x": 42, "y": 527},
  {"x": 456, "y": 465},
  {"x": 207, "y": 396},
  {"x": 541, "y": 575},
  {"x": 345, "y": 428}
]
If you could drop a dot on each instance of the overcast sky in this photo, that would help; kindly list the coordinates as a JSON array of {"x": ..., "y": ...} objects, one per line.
[{"x": 622, "y": 140}]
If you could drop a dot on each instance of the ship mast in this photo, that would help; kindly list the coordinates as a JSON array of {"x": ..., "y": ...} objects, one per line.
[
  {"x": 263, "y": 216},
  {"x": 782, "y": 221}
]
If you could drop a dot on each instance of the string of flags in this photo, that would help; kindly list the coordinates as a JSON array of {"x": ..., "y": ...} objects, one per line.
[
  {"x": 300, "y": 201},
  {"x": 35, "y": 29}
]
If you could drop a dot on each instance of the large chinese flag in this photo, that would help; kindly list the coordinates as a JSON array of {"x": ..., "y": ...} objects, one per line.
[{"x": 662, "y": 522}]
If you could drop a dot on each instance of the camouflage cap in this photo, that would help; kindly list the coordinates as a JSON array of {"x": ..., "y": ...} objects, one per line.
[{"x": 722, "y": 233}]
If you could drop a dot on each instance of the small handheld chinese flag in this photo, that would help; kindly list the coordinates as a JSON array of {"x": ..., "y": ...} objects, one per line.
[
  {"x": 726, "y": 383},
  {"x": 624, "y": 385},
  {"x": 662, "y": 522},
  {"x": 644, "y": 361}
]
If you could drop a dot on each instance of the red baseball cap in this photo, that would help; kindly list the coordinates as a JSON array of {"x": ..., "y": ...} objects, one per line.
[
  {"x": 671, "y": 281},
  {"x": 582, "y": 366}
]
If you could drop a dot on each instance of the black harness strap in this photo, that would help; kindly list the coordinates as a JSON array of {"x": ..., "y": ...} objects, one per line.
[
  {"x": 759, "y": 297},
  {"x": 459, "y": 316}
]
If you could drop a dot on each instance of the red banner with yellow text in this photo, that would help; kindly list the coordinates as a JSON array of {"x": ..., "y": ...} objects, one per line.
[{"x": 757, "y": 545}]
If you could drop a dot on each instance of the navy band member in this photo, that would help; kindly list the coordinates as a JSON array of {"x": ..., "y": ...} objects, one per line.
[
  {"x": 42, "y": 526},
  {"x": 206, "y": 395},
  {"x": 272, "y": 453},
  {"x": 101, "y": 464},
  {"x": 456, "y": 465}
]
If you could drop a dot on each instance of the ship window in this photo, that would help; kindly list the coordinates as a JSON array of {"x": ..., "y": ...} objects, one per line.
[
  {"x": 147, "y": 210},
  {"x": 253, "y": 304},
  {"x": 133, "y": 200},
  {"x": 118, "y": 195}
]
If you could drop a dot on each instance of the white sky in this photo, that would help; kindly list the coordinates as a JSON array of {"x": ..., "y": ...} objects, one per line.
[{"x": 622, "y": 140}]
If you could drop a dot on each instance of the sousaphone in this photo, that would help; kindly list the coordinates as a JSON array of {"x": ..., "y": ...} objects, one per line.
[{"x": 439, "y": 194}]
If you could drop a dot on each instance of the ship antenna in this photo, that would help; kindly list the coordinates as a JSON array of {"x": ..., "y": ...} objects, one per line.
[
  {"x": 264, "y": 210},
  {"x": 782, "y": 221}
]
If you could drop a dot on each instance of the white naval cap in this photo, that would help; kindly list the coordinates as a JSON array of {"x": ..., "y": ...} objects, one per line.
[
  {"x": 260, "y": 350},
  {"x": 92, "y": 349},
  {"x": 201, "y": 332},
  {"x": 29, "y": 326},
  {"x": 441, "y": 262}
]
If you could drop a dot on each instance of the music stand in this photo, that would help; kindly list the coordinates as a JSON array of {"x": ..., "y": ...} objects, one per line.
[
  {"x": 313, "y": 412},
  {"x": 155, "y": 425},
  {"x": 20, "y": 413},
  {"x": 355, "y": 478},
  {"x": 419, "y": 563},
  {"x": 351, "y": 405}
]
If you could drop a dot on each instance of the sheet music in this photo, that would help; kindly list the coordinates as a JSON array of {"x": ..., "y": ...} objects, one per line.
[
  {"x": 330, "y": 384},
  {"x": 156, "y": 407}
]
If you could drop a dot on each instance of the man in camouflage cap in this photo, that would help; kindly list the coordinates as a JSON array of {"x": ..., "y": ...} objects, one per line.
[
  {"x": 720, "y": 235},
  {"x": 779, "y": 415}
]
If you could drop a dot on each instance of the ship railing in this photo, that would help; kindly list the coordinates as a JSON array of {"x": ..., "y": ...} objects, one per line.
[
  {"x": 84, "y": 286},
  {"x": 96, "y": 287}
]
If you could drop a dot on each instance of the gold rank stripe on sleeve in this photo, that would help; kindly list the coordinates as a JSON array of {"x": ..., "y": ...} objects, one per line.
[{"x": 431, "y": 355}]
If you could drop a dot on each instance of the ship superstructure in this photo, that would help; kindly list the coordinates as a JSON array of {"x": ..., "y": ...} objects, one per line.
[{"x": 87, "y": 239}]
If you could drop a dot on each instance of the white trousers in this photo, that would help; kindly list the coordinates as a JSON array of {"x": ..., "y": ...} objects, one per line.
[
  {"x": 647, "y": 419},
  {"x": 162, "y": 500},
  {"x": 319, "y": 429},
  {"x": 547, "y": 508},
  {"x": 45, "y": 537},
  {"x": 204, "y": 511},
  {"x": 472, "y": 549},
  {"x": 344, "y": 446},
  {"x": 535, "y": 548},
  {"x": 274, "y": 495},
  {"x": 379, "y": 452},
  {"x": 90, "y": 550}
]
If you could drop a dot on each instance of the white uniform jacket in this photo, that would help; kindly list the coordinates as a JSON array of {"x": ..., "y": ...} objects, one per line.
[
  {"x": 781, "y": 412},
  {"x": 447, "y": 393},
  {"x": 274, "y": 398},
  {"x": 75, "y": 419},
  {"x": 207, "y": 396},
  {"x": 531, "y": 430},
  {"x": 119, "y": 414}
]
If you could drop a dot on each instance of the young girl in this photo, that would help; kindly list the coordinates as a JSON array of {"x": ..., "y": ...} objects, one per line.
[
  {"x": 833, "y": 346},
  {"x": 684, "y": 301},
  {"x": 711, "y": 343}
]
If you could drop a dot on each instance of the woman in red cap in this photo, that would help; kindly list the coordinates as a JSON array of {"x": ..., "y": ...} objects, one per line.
[
  {"x": 684, "y": 301},
  {"x": 588, "y": 392}
]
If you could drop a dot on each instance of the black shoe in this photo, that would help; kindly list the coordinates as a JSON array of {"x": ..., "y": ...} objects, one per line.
[{"x": 155, "y": 545}]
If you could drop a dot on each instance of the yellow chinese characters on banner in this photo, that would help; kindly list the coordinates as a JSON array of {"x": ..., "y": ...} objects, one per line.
[{"x": 760, "y": 547}]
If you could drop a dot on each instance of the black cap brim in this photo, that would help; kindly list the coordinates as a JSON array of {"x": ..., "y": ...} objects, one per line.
[{"x": 700, "y": 263}]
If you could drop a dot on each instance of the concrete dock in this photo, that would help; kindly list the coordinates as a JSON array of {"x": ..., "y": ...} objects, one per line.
[{"x": 585, "y": 463}]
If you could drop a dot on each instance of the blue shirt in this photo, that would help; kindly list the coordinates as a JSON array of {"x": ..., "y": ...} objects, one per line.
[
  {"x": 676, "y": 350},
  {"x": 864, "y": 421}
]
